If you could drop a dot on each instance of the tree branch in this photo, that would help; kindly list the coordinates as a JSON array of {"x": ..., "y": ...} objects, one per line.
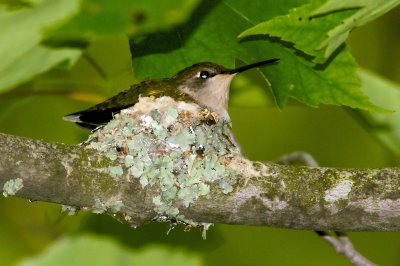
[
  {"x": 68, "y": 175},
  {"x": 152, "y": 163},
  {"x": 266, "y": 194}
]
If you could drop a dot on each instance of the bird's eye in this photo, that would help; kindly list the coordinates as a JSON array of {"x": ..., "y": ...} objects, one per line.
[{"x": 204, "y": 74}]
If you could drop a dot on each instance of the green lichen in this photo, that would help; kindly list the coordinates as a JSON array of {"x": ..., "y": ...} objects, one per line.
[
  {"x": 98, "y": 207},
  {"x": 113, "y": 205},
  {"x": 96, "y": 145},
  {"x": 155, "y": 114},
  {"x": 112, "y": 124},
  {"x": 137, "y": 169},
  {"x": 183, "y": 139},
  {"x": 163, "y": 207},
  {"x": 115, "y": 171},
  {"x": 169, "y": 195},
  {"x": 129, "y": 161},
  {"x": 112, "y": 154},
  {"x": 12, "y": 186},
  {"x": 204, "y": 189},
  {"x": 205, "y": 227},
  {"x": 167, "y": 148},
  {"x": 188, "y": 194},
  {"x": 202, "y": 136},
  {"x": 225, "y": 187},
  {"x": 171, "y": 113},
  {"x": 70, "y": 209}
]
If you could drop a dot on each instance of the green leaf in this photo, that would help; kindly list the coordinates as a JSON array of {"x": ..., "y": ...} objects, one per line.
[
  {"x": 320, "y": 27},
  {"x": 385, "y": 126},
  {"x": 367, "y": 10},
  {"x": 298, "y": 27},
  {"x": 21, "y": 52},
  {"x": 210, "y": 35},
  {"x": 94, "y": 250},
  {"x": 99, "y": 18}
]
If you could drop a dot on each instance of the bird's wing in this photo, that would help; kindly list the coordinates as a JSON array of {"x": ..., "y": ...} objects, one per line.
[{"x": 103, "y": 112}]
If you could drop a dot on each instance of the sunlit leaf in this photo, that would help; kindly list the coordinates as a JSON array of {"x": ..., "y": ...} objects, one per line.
[
  {"x": 299, "y": 28},
  {"x": 367, "y": 10},
  {"x": 318, "y": 28}
]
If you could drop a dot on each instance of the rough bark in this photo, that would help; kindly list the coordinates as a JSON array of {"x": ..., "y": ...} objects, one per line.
[{"x": 313, "y": 198}]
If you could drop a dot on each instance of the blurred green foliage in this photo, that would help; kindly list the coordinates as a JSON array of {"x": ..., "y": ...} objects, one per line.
[
  {"x": 106, "y": 18},
  {"x": 22, "y": 54},
  {"x": 101, "y": 251},
  {"x": 385, "y": 127},
  {"x": 166, "y": 38}
]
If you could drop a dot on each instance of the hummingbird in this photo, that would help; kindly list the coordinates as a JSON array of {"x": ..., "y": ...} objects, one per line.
[{"x": 206, "y": 84}]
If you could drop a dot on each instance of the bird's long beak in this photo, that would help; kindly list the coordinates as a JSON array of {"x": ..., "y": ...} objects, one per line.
[{"x": 247, "y": 67}]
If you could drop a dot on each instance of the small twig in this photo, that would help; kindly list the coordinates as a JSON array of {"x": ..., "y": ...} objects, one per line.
[
  {"x": 343, "y": 246},
  {"x": 339, "y": 241}
]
